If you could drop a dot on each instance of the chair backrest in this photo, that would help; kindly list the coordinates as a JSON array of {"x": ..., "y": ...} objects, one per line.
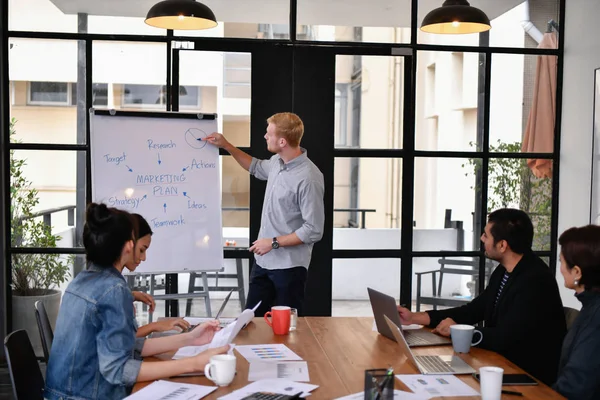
[
  {"x": 45, "y": 328},
  {"x": 25, "y": 374},
  {"x": 570, "y": 316}
]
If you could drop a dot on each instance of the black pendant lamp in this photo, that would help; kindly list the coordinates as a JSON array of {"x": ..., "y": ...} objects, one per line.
[
  {"x": 455, "y": 17},
  {"x": 181, "y": 14}
]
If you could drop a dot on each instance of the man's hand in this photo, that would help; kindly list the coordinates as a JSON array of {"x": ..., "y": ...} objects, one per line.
[
  {"x": 218, "y": 140},
  {"x": 405, "y": 315},
  {"x": 203, "y": 333},
  {"x": 144, "y": 298},
  {"x": 443, "y": 327},
  {"x": 262, "y": 246}
]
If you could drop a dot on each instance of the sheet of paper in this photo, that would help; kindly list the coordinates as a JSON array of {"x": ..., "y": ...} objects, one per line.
[
  {"x": 404, "y": 327},
  {"x": 294, "y": 371},
  {"x": 221, "y": 338},
  {"x": 267, "y": 352},
  {"x": 279, "y": 386},
  {"x": 256, "y": 306},
  {"x": 398, "y": 395},
  {"x": 437, "y": 385},
  {"x": 163, "y": 390},
  {"x": 200, "y": 320}
]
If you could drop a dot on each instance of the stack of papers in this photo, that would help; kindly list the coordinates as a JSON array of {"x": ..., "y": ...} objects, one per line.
[
  {"x": 269, "y": 361},
  {"x": 294, "y": 371},
  {"x": 267, "y": 352},
  {"x": 279, "y": 386},
  {"x": 162, "y": 390},
  {"x": 429, "y": 386}
]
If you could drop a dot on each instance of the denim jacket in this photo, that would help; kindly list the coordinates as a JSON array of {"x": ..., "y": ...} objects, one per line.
[{"x": 95, "y": 354}]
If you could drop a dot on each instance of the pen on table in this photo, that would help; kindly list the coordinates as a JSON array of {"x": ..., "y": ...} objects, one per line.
[{"x": 511, "y": 392}]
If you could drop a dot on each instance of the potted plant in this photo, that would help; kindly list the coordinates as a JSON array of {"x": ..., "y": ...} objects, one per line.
[
  {"x": 34, "y": 276},
  {"x": 512, "y": 184}
]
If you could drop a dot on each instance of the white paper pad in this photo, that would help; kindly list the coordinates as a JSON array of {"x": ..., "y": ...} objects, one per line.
[
  {"x": 437, "y": 385},
  {"x": 294, "y": 371},
  {"x": 267, "y": 352},
  {"x": 279, "y": 386},
  {"x": 201, "y": 320},
  {"x": 221, "y": 338},
  {"x": 162, "y": 390},
  {"x": 404, "y": 327},
  {"x": 398, "y": 395}
]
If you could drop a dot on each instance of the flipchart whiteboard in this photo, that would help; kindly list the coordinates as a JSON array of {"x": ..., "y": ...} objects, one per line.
[{"x": 153, "y": 164}]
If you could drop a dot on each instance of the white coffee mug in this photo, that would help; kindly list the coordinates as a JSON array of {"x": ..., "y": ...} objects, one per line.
[
  {"x": 221, "y": 369},
  {"x": 490, "y": 379}
]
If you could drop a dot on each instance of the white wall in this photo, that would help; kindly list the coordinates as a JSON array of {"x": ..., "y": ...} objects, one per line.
[{"x": 582, "y": 56}]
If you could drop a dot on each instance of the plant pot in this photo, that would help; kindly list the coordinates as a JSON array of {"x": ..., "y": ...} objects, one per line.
[{"x": 23, "y": 315}]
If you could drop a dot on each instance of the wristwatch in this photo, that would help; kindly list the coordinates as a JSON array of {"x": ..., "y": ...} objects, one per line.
[{"x": 275, "y": 243}]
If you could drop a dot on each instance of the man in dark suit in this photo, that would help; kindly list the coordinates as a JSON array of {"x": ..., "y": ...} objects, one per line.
[{"x": 521, "y": 309}]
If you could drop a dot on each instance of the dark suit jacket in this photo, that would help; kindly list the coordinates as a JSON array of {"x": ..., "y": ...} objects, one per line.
[{"x": 527, "y": 326}]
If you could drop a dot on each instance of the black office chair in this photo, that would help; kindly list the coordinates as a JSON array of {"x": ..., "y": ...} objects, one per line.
[
  {"x": 45, "y": 328},
  {"x": 25, "y": 374}
]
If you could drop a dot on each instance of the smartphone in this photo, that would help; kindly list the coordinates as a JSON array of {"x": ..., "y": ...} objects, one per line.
[{"x": 514, "y": 379}]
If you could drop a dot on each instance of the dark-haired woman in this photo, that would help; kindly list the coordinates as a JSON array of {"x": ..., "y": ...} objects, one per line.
[
  {"x": 579, "y": 367},
  {"x": 144, "y": 239},
  {"x": 94, "y": 347}
]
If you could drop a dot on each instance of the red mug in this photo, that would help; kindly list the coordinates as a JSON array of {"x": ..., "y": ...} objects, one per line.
[{"x": 281, "y": 319}]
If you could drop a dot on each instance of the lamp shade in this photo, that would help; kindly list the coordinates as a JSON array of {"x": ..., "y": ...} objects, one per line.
[
  {"x": 455, "y": 17},
  {"x": 181, "y": 14}
]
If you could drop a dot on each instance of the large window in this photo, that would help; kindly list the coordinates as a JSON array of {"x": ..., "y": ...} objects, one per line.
[{"x": 419, "y": 138}]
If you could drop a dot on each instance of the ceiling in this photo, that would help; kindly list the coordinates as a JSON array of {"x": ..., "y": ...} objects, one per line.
[{"x": 385, "y": 13}]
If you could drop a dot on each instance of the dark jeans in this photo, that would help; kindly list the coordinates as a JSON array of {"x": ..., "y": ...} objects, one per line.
[{"x": 276, "y": 287}]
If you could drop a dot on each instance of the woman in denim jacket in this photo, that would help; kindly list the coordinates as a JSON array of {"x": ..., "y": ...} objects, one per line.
[
  {"x": 579, "y": 367},
  {"x": 93, "y": 354}
]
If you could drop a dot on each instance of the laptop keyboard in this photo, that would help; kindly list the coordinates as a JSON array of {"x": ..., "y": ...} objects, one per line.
[
  {"x": 434, "y": 364},
  {"x": 414, "y": 340}
]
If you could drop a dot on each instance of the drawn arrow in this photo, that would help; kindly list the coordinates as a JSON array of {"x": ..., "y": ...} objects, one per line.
[
  {"x": 185, "y": 169},
  {"x": 159, "y": 159},
  {"x": 185, "y": 194},
  {"x": 129, "y": 168},
  {"x": 165, "y": 207},
  {"x": 145, "y": 197}
]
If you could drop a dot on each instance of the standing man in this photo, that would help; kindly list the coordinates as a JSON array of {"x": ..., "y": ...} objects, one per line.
[
  {"x": 292, "y": 216},
  {"x": 521, "y": 307}
]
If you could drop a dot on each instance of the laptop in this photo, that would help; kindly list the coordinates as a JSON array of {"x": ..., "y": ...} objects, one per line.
[
  {"x": 429, "y": 365},
  {"x": 194, "y": 321},
  {"x": 223, "y": 323},
  {"x": 383, "y": 305}
]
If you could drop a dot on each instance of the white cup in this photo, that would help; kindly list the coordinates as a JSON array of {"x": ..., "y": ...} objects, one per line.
[
  {"x": 221, "y": 369},
  {"x": 491, "y": 382},
  {"x": 462, "y": 337}
]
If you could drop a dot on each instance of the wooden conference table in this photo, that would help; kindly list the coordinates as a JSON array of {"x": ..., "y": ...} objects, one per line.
[{"x": 338, "y": 350}]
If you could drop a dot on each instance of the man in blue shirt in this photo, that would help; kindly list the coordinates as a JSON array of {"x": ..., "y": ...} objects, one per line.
[{"x": 292, "y": 215}]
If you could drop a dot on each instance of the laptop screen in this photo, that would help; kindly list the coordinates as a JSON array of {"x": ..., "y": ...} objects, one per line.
[{"x": 399, "y": 336}]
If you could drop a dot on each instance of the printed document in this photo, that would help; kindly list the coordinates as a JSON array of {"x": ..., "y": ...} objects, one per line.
[
  {"x": 294, "y": 371},
  {"x": 437, "y": 385},
  {"x": 163, "y": 390}
]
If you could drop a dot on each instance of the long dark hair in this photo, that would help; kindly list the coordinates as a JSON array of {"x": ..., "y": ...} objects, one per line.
[{"x": 143, "y": 228}]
